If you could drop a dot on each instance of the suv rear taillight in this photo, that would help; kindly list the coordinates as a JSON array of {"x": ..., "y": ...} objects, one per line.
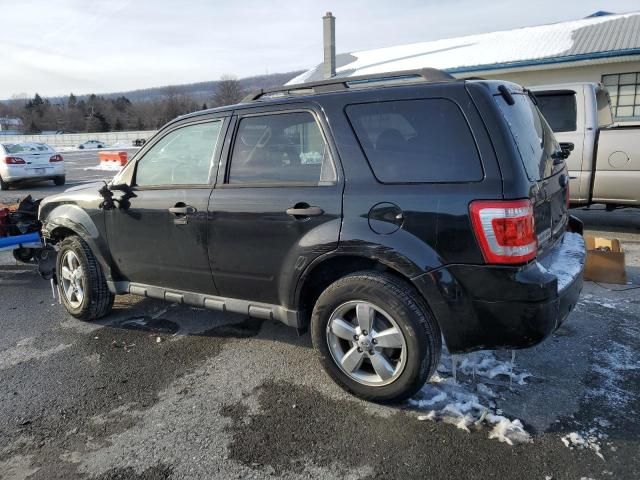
[
  {"x": 505, "y": 230},
  {"x": 14, "y": 161},
  {"x": 56, "y": 158}
]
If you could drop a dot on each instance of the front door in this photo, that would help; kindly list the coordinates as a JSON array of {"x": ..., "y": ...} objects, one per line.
[
  {"x": 277, "y": 208},
  {"x": 160, "y": 239}
]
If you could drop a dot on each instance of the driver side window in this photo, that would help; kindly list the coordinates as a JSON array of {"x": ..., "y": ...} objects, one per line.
[{"x": 182, "y": 157}]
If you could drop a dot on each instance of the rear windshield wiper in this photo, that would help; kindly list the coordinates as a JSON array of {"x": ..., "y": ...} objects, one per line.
[{"x": 506, "y": 94}]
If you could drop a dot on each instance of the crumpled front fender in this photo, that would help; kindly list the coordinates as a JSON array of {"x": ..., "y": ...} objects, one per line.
[{"x": 70, "y": 217}]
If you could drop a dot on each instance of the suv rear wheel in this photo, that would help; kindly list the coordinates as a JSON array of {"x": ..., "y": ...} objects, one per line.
[
  {"x": 81, "y": 283},
  {"x": 375, "y": 336}
]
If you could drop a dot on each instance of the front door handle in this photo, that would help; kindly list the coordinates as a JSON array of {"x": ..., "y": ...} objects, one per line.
[
  {"x": 305, "y": 211},
  {"x": 182, "y": 212},
  {"x": 182, "y": 209}
]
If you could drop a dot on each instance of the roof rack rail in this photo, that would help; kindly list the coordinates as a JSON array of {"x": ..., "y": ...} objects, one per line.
[{"x": 337, "y": 84}]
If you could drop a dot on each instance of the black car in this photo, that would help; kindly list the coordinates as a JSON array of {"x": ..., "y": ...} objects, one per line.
[{"x": 386, "y": 214}]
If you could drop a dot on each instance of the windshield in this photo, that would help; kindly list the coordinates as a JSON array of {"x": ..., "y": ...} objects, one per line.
[{"x": 532, "y": 134}]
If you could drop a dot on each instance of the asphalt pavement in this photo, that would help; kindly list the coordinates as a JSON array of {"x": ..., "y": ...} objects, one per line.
[{"x": 158, "y": 390}]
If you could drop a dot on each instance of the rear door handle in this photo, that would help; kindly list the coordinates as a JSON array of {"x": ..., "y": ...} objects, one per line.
[{"x": 303, "y": 212}]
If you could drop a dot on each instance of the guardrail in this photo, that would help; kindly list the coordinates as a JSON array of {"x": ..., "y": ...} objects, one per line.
[{"x": 70, "y": 140}]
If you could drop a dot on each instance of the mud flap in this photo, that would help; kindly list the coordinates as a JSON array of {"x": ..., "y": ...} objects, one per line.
[{"x": 46, "y": 260}]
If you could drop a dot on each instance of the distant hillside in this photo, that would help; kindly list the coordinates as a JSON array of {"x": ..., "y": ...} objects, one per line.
[
  {"x": 149, "y": 108},
  {"x": 200, "y": 92}
]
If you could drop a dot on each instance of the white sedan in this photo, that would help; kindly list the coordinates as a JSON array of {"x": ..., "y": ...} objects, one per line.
[
  {"x": 29, "y": 161},
  {"x": 92, "y": 144}
]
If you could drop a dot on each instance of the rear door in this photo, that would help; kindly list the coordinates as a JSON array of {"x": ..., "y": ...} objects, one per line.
[
  {"x": 547, "y": 172},
  {"x": 277, "y": 205}
]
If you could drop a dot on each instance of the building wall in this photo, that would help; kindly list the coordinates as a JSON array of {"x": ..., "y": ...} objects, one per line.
[
  {"x": 625, "y": 108},
  {"x": 586, "y": 73}
]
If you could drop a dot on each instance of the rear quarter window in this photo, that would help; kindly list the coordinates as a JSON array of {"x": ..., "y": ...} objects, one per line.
[
  {"x": 532, "y": 134},
  {"x": 416, "y": 141}
]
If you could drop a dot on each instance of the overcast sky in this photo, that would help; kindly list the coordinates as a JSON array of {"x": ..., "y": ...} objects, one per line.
[{"x": 59, "y": 46}]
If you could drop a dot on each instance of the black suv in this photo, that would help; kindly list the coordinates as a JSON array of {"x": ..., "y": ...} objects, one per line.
[{"x": 386, "y": 214}]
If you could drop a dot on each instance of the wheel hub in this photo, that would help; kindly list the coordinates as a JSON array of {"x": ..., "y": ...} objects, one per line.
[{"x": 366, "y": 343}]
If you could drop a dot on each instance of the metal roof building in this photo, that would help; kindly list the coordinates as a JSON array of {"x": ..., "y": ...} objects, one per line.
[{"x": 603, "y": 47}]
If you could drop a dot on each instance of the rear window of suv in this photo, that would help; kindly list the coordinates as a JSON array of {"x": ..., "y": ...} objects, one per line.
[{"x": 416, "y": 141}]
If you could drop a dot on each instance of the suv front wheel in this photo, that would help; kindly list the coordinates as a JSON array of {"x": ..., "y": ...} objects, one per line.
[
  {"x": 81, "y": 283},
  {"x": 375, "y": 336}
]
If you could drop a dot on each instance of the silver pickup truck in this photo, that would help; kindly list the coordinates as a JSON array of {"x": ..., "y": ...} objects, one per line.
[{"x": 604, "y": 160}]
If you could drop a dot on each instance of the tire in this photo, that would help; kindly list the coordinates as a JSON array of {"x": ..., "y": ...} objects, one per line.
[
  {"x": 394, "y": 302},
  {"x": 59, "y": 181},
  {"x": 23, "y": 255},
  {"x": 4, "y": 185},
  {"x": 96, "y": 300},
  {"x": 80, "y": 147}
]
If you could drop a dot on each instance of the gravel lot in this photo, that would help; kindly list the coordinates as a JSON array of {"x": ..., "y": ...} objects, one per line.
[{"x": 160, "y": 391}]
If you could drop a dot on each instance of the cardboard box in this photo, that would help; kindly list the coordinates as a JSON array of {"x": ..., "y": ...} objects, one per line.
[{"x": 605, "y": 260}]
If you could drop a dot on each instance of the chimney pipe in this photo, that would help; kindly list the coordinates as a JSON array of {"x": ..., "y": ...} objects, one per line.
[{"x": 329, "y": 40}]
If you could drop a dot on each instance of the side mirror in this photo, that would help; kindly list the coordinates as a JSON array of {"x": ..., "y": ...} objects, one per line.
[{"x": 109, "y": 203}]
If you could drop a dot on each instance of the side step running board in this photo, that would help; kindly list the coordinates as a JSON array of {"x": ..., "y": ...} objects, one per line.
[{"x": 265, "y": 311}]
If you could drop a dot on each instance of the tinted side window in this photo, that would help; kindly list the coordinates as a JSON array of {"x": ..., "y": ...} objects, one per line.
[
  {"x": 416, "y": 141},
  {"x": 280, "y": 148},
  {"x": 559, "y": 111},
  {"x": 181, "y": 157}
]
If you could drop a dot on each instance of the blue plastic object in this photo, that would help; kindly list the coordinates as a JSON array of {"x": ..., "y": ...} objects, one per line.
[{"x": 31, "y": 240}]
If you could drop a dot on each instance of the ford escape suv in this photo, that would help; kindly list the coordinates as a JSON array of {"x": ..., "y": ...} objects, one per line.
[{"x": 386, "y": 214}]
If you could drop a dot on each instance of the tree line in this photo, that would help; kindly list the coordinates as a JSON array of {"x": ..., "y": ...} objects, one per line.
[{"x": 96, "y": 113}]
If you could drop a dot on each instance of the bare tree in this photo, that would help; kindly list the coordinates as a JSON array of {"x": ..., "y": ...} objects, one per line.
[{"x": 228, "y": 91}]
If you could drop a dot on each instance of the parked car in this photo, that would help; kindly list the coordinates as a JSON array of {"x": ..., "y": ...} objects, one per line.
[
  {"x": 385, "y": 214},
  {"x": 92, "y": 144},
  {"x": 29, "y": 161},
  {"x": 604, "y": 158}
]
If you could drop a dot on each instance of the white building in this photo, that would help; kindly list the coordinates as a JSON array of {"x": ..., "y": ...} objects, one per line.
[
  {"x": 603, "y": 48},
  {"x": 10, "y": 126}
]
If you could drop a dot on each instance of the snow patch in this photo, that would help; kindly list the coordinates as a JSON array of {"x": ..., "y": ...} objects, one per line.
[
  {"x": 584, "y": 440},
  {"x": 109, "y": 148},
  {"x": 105, "y": 167},
  {"x": 612, "y": 363},
  {"x": 467, "y": 403}
]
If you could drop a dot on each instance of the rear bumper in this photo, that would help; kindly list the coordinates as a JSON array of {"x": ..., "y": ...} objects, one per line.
[
  {"x": 493, "y": 307},
  {"x": 47, "y": 171}
]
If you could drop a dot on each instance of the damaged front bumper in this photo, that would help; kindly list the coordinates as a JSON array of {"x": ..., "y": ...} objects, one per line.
[{"x": 21, "y": 232}]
